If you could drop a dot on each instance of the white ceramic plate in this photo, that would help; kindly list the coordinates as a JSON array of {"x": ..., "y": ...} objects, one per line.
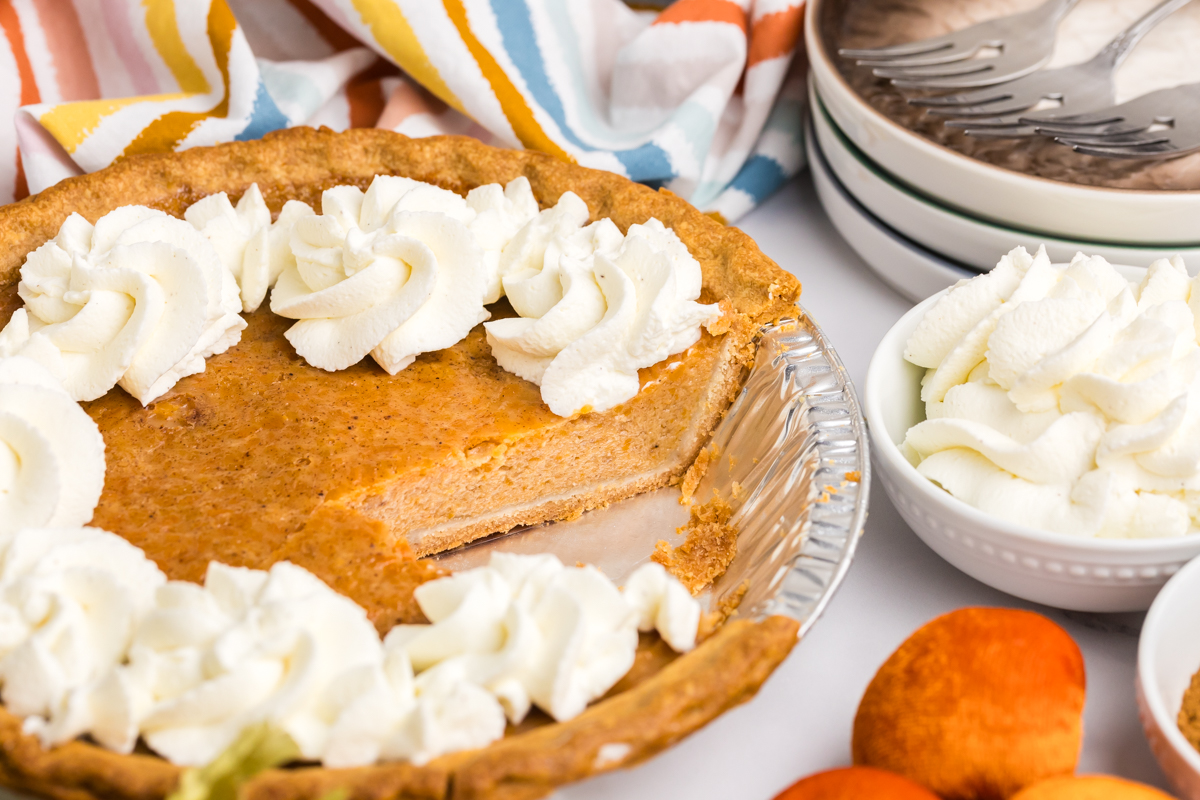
[
  {"x": 1168, "y": 656},
  {"x": 1073, "y": 572},
  {"x": 1114, "y": 216},
  {"x": 910, "y": 269},
  {"x": 957, "y": 236}
]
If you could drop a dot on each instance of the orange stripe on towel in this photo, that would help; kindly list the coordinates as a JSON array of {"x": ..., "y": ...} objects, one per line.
[
  {"x": 703, "y": 11},
  {"x": 69, "y": 48},
  {"x": 10, "y": 23},
  {"x": 775, "y": 34}
]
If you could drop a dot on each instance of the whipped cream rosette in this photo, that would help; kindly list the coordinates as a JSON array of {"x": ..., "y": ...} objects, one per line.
[
  {"x": 384, "y": 714},
  {"x": 253, "y": 249},
  {"x": 1065, "y": 397},
  {"x": 500, "y": 214},
  {"x": 393, "y": 273},
  {"x": 533, "y": 632},
  {"x": 246, "y": 647},
  {"x": 525, "y": 254},
  {"x": 51, "y": 452},
  {"x": 70, "y": 601},
  {"x": 139, "y": 299},
  {"x": 595, "y": 306},
  {"x": 664, "y": 605}
]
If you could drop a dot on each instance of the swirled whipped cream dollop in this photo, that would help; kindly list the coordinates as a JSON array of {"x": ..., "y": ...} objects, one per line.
[
  {"x": 70, "y": 601},
  {"x": 595, "y": 306},
  {"x": 140, "y": 299},
  {"x": 254, "y": 249},
  {"x": 500, "y": 214},
  {"x": 1065, "y": 397},
  {"x": 51, "y": 452},
  {"x": 402, "y": 269}
]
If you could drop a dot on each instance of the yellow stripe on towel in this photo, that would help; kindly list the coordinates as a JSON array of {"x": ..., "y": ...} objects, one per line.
[
  {"x": 164, "y": 32},
  {"x": 393, "y": 33}
]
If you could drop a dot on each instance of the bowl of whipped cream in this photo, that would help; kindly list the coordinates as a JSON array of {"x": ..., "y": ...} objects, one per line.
[{"x": 1038, "y": 426}]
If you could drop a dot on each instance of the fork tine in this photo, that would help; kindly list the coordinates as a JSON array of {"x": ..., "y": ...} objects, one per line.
[
  {"x": 1099, "y": 131},
  {"x": 1125, "y": 152},
  {"x": 952, "y": 55},
  {"x": 1117, "y": 127},
  {"x": 1137, "y": 139},
  {"x": 1002, "y": 132},
  {"x": 987, "y": 123},
  {"x": 998, "y": 112},
  {"x": 922, "y": 47},
  {"x": 963, "y": 100},
  {"x": 974, "y": 80},
  {"x": 991, "y": 72},
  {"x": 1070, "y": 121},
  {"x": 970, "y": 67}
]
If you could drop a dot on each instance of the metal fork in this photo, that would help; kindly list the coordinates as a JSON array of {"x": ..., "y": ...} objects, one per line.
[
  {"x": 1025, "y": 42},
  {"x": 1161, "y": 124},
  {"x": 1078, "y": 88}
]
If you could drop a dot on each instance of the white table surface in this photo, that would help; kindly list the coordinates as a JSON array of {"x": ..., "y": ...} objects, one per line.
[{"x": 800, "y": 722}]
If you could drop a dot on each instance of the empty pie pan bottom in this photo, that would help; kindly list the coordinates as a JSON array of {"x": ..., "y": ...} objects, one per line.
[
  {"x": 1076, "y": 573},
  {"x": 1071, "y": 211},
  {"x": 954, "y": 234}
]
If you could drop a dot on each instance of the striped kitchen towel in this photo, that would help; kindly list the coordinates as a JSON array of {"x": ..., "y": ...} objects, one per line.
[{"x": 705, "y": 97}]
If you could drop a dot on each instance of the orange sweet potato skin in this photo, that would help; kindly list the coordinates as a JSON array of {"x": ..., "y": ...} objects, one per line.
[
  {"x": 1090, "y": 787},
  {"x": 855, "y": 783},
  {"x": 976, "y": 705}
]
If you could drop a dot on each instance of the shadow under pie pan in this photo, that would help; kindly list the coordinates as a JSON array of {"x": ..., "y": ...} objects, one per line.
[{"x": 783, "y": 443}]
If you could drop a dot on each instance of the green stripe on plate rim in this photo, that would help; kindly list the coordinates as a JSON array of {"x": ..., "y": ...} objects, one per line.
[{"x": 965, "y": 214}]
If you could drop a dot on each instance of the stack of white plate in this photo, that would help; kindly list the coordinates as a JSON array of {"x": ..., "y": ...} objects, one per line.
[{"x": 924, "y": 216}]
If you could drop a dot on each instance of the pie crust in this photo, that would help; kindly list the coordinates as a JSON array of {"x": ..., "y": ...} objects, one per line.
[{"x": 262, "y": 458}]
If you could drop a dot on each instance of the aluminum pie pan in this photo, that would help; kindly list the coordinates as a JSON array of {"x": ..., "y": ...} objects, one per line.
[{"x": 792, "y": 461}]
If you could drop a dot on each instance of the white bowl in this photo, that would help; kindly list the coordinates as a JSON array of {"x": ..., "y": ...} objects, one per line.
[
  {"x": 1168, "y": 656},
  {"x": 1119, "y": 216},
  {"x": 956, "y": 235},
  {"x": 1081, "y": 574},
  {"x": 909, "y": 268}
]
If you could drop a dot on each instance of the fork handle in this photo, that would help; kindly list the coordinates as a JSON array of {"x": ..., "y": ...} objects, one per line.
[
  {"x": 1115, "y": 51},
  {"x": 1049, "y": 12}
]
